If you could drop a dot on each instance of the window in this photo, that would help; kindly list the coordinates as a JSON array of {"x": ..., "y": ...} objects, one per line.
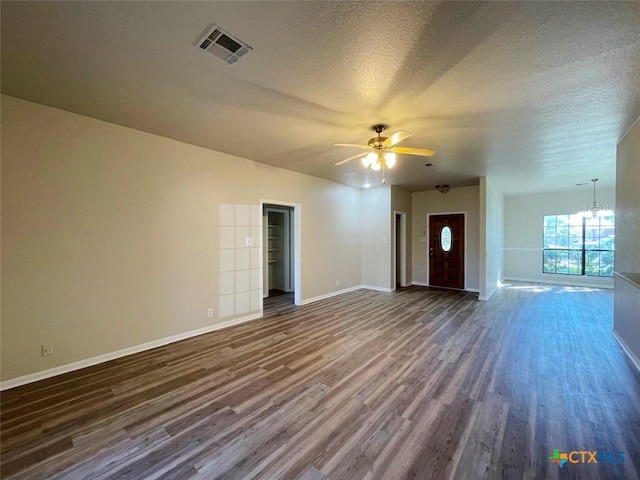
[
  {"x": 576, "y": 245},
  {"x": 445, "y": 238}
]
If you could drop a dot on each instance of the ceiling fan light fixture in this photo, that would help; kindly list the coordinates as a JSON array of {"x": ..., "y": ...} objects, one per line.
[
  {"x": 390, "y": 159},
  {"x": 369, "y": 160},
  {"x": 382, "y": 150}
]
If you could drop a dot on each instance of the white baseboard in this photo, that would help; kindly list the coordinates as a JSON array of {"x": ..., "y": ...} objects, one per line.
[
  {"x": 70, "y": 367},
  {"x": 558, "y": 282},
  {"x": 486, "y": 297},
  {"x": 634, "y": 359},
  {"x": 346, "y": 290},
  {"x": 377, "y": 289},
  {"x": 425, "y": 284},
  {"x": 307, "y": 301}
]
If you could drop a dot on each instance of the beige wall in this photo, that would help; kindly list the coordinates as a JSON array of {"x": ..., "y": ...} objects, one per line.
[
  {"x": 376, "y": 237},
  {"x": 523, "y": 233},
  {"x": 401, "y": 202},
  {"x": 626, "y": 322},
  {"x": 464, "y": 199},
  {"x": 491, "y": 238},
  {"x": 110, "y": 235},
  {"x": 628, "y": 202}
]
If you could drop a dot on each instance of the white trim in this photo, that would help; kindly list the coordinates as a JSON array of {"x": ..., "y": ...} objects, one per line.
[
  {"x": 628, "y": 130},
  {"x": 484, "y": 298},
  {"x": 424, "y": 284},
  {"x": 307, "y": 301},
  {"x": 377, "y": 289},
  {"x": 628, "y": 280},
  {"x": 558, "y": 282},
  {"x": 634, "y": 360},
  {"x": 465, "y": 243},
  {"x": 70, "y": 367},
  {"x": 297, "y": 247}
]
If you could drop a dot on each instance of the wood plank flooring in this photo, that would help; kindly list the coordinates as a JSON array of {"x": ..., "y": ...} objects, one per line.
[{"x": 421, "y": 383}]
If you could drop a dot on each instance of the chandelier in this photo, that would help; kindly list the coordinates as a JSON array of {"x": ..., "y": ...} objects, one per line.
[{"x": 595, "y": 209}]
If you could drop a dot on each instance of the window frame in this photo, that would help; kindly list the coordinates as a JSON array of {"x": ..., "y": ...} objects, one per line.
[{"x": 583, "y": 250}]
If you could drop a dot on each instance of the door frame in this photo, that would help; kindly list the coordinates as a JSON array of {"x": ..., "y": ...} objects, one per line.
[
  {"x": 466, "y": 242},
  {"x": 296, "y": 242},
  {"x": 288, "y": 264},
  {"x": 403, "y": 250}
]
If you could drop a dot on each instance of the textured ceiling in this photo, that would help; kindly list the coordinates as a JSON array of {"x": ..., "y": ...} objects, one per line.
[{"x": 534, "y": 95}]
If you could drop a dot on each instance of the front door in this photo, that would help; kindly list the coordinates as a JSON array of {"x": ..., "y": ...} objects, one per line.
[{"x": 446, "y": 250}]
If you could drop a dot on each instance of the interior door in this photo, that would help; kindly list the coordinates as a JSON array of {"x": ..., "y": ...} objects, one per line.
[{"x": 446, "y": 250}]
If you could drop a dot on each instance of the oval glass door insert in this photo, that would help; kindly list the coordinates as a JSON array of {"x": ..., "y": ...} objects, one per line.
[{"x": 446, "y": 240}]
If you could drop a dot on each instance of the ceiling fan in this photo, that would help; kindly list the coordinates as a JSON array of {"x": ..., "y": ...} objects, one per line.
[{"x": 382, "y": 153}]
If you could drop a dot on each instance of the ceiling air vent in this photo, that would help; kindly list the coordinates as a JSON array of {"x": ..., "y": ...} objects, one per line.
[{"x": 223, "y": 45}]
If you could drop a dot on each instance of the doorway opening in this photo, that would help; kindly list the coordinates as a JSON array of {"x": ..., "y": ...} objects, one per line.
[
  {"x": 400, "y": 254},
  {"x": 281, "y": 246},
  {"x": 447, "y": 250}
]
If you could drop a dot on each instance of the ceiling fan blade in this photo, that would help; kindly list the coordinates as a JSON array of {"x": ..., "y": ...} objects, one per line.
[
  {"x": 423, "y": 152},
  {"x": 350, "y": 145},
  {"x": 396, "y": 138},
  {"x": 351, "y": 158}
]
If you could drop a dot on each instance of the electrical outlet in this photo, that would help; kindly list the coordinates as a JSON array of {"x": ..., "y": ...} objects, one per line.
[
  {"x": 384, "y": 239},
  {"x": 47, "y": 350},
  {"x": 533, "y": 272},
  {"x": 210, "y": 312},
  {"x": 248, "y": 241},
  {"x": 337, "y": 283}
]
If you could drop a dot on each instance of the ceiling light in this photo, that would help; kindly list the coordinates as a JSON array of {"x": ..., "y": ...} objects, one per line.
[
  {"x": 595, "y": 209},
  {"x": 390, "y": 159},
  {"x": 370, "y": 159},
  {"x": 443, "y": 188},
  {"x": 367, "y": 185},
  {"x": 382, "y": 155}
]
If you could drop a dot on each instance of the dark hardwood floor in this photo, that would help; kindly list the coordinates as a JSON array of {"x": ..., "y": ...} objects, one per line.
[
  {"x": 278, "y": 303},
  {"x": 425, "y": 384}
]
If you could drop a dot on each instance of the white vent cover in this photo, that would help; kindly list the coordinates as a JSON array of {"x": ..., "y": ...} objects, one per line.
[{"x": 223, "y": 45}]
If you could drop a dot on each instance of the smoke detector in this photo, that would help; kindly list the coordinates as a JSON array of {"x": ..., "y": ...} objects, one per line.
[{"x": 221, "y": 44}]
